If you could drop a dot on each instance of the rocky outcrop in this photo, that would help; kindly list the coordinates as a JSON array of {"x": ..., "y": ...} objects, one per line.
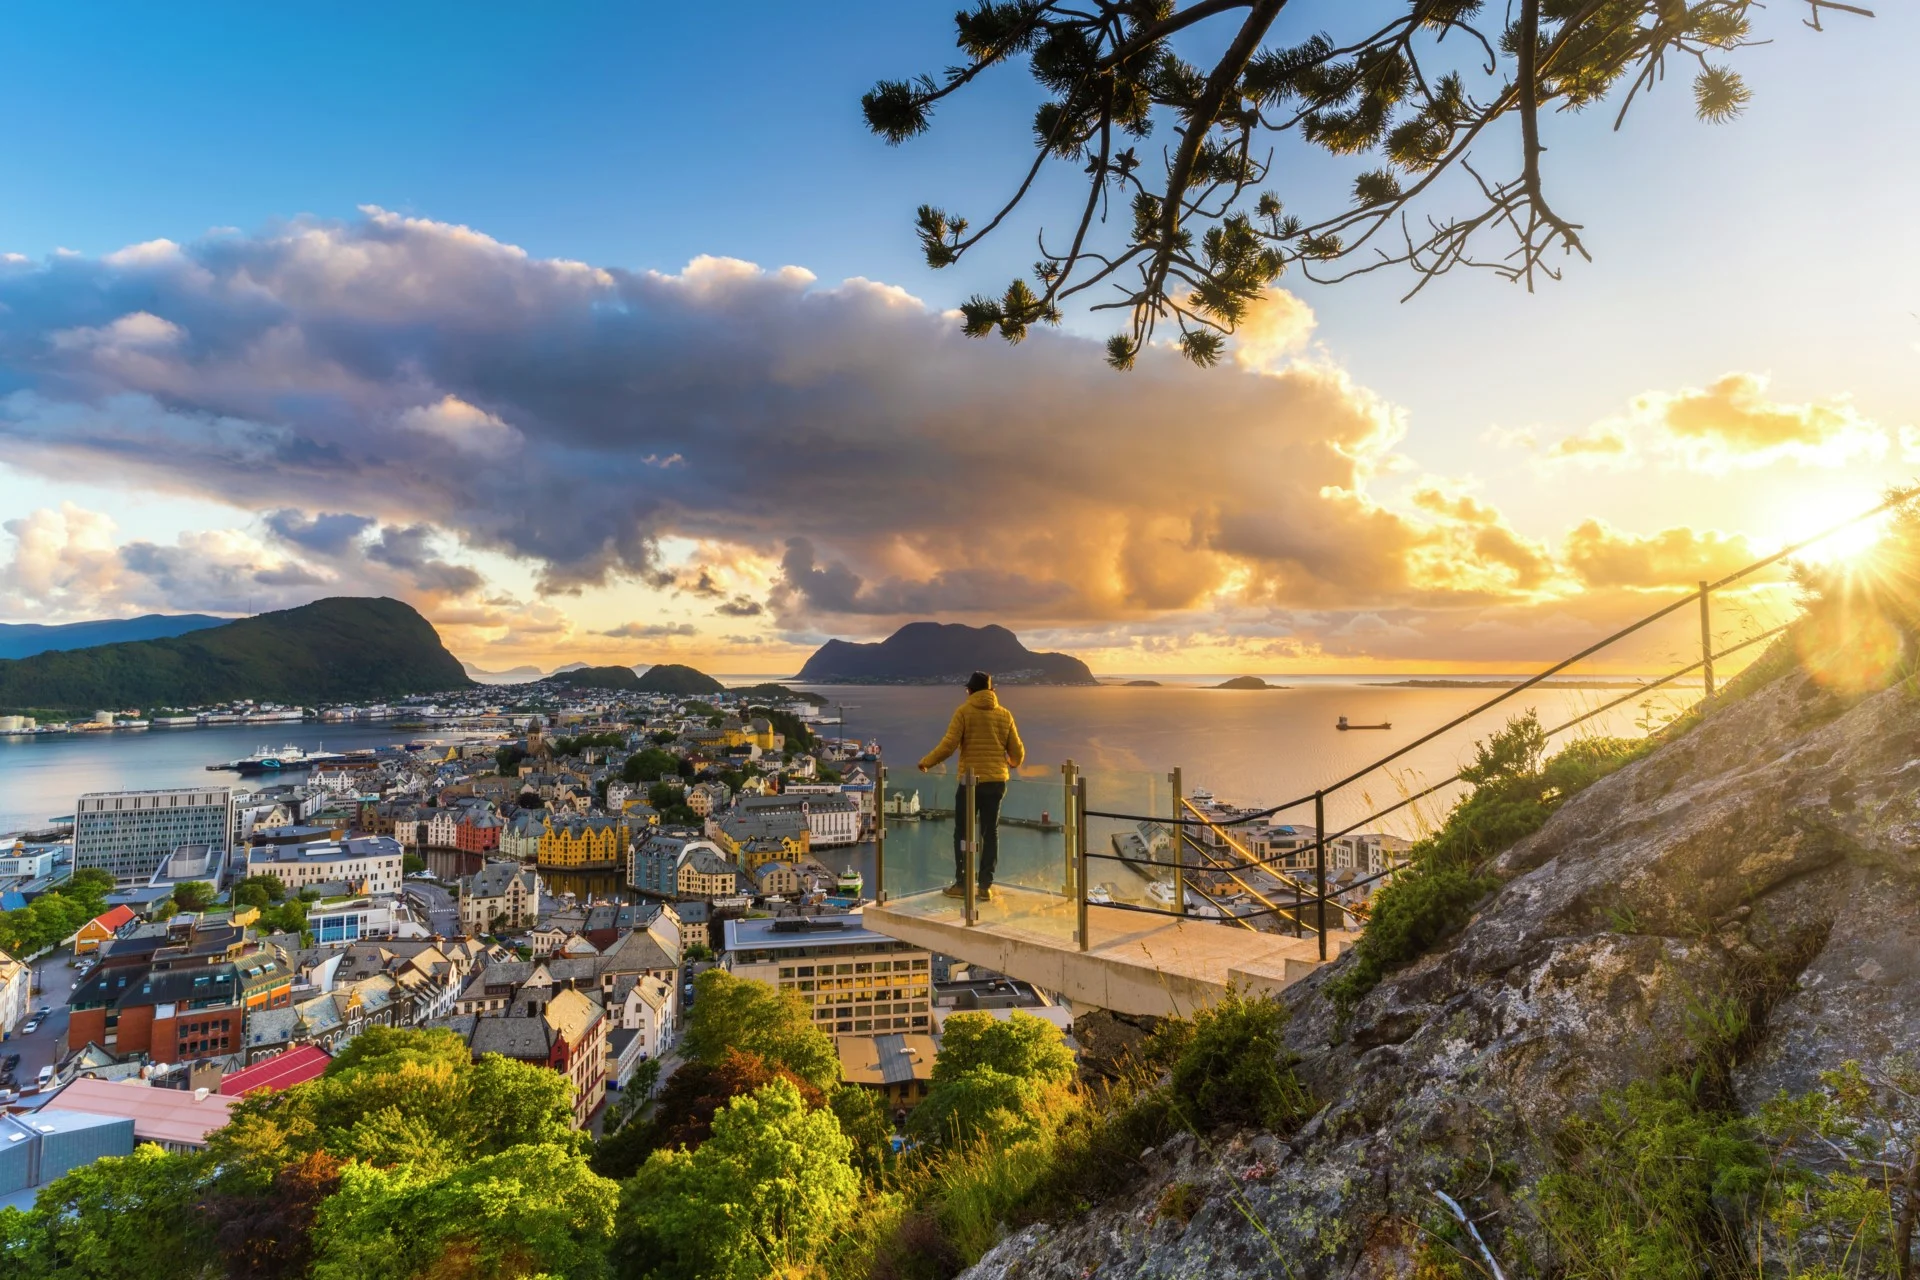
[{"x": 1768, "y": 860}]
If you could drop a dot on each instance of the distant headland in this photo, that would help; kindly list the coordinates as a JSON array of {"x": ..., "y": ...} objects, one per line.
[{"x": 940, "y": 653}]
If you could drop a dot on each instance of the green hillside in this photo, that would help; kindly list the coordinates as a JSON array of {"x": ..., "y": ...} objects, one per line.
[
  {"x": 343, "y": 649},
  {"x": 672, "y": 678},
  {"x": 597, "y": 678}
]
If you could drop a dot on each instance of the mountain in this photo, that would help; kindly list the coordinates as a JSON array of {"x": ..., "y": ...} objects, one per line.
[
  {"x": 343, "y": 649},
  {"x": 24, "y": 639},
  {"x": 940, "y": 653},
  {"x": 512, "y": 675},
  {"x": 596, "y": 678},
  {"x": 672, "y": 678}
]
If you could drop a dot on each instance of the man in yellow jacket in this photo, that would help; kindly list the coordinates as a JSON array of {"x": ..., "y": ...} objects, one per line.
[{"x": 983, "y": 732}]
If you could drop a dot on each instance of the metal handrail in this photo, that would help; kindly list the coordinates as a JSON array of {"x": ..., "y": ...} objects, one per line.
[{"x": 1318, "y": 897}]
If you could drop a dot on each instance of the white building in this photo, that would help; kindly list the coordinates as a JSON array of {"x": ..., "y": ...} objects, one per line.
[
  {"x": 126, "y": 833},
  {"x": 16, "y": 993},
  {"x": 24, "y": 863},
  {"x": 372, "y": 864}
]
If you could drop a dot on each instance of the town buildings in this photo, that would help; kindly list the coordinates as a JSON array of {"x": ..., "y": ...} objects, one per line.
[
  {"x": 854, "y": 980},
  {"x": 500, "y": 891},
  {"x": 126, "y": 833},
  {"x": 16, "y": 994},
  {"x": 370, "y": 864}
]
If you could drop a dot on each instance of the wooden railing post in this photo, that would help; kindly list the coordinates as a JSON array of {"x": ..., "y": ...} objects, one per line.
[
  {"x": 1320, "y": 868},
  {"x": 1179, "y": 844},
  {"x": 879, "y": 833},
  {"x": 1070, "y": 821},
  {"x": 1706, "y": 643},
  {"x": 1080, "y": 852},
  {"x": 967, "y": 803}
]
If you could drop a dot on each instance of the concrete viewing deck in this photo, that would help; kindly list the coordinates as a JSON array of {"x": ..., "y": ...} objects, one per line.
[{"x": 1136, "y": 963}]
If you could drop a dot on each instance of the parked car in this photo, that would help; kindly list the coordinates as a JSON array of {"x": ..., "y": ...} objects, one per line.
[
  {"x": 45, "y": 1077},
  {"x": 33, "y": 1025},
  {"x": 12, "y": 1061},
  {"x": 40, "y": 1015}
]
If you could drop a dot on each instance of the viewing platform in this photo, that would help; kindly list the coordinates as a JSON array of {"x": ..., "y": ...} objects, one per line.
[{"x": 1134, "y": 962}]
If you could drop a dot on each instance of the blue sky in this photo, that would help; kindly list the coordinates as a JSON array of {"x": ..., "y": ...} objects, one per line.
[{"x": 641, "y": 137}]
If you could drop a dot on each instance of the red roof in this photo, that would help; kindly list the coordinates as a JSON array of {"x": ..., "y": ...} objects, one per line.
[
  {"x": 296, "y": 1066},
  {"x": 112, "y": 920}
]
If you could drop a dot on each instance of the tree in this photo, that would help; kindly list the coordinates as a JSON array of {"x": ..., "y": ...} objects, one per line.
[
  {"x": 665, "y": 795},
  {"x": 523, "y": 1211},
  {"x": 90, "y": 884},
  {"x": 412, "y": 864},
  {"x": 194, "y": 895},
  {"x": 738, "y": 1013},
  {"x": 506, "y": 760},
  {"x": 980, "y": 1102},
  {"x": 119, "y": 1218},
  {"x": 764, "y": 1194},
  {"x": 863, "y": 1118},
  {"x": 1196, "y": 246},
  {"x": 1022, "y": 1046},
  {"x": 269, "y": 1236}
]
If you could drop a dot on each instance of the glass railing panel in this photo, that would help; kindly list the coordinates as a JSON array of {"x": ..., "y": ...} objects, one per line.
[
  {"x": 919, "y": 849},
  {"x": 1129, "y": 839},
  {"x": 1032, "y": 882}
]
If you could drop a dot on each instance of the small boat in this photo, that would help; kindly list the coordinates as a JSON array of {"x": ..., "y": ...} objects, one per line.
[
  {"x": 1161, "y": 891},
  {"x": 1342, "y": 724},
  {"x": 1101, "y": 895},
  {"x": 851, "y": 883}
]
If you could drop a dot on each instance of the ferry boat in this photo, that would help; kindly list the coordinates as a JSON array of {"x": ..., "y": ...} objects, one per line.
[
  {"x": 266, "y": 760},
  {"x": 1101, "y": 895},
  {"x": 1342, "y": 725},
  {"x": 851, "y": 883}
]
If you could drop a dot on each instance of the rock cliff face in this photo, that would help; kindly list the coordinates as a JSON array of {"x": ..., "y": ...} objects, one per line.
[{"x": 1770, "y": 856}]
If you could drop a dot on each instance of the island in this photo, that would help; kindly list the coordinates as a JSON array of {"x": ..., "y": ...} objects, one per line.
[
  {"x": 340, "y": 649},
  {"x": 1141, "y": 684},
  {"x": 941, "y": 653},
  {"x": 680, "y": 681},
  {"x": 1247, "y": 682},
  {"x": 596, "y": 678}
]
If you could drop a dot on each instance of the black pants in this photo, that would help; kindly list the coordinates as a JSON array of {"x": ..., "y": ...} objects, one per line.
[{"x": 986, "y": 800}]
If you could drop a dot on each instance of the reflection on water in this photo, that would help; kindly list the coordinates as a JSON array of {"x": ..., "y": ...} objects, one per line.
[{"x": 449, "y": 864}]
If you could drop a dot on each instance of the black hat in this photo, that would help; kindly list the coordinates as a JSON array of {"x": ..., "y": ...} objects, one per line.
[{"x": 979, "y": 680}]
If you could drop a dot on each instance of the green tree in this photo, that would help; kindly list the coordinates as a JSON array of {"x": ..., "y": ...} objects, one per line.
[
  {"x": 524, "y": 1211},
  {"x": 738, "y": 1013},
  {"x": 89, "y": 885},
  {"x": 1022, "y": 1046},
  {"x": 981, "y": 1102},
  {"x": 1205, "y": 235},
  {"x": 764, "y": 1194},
  {"x": 119, "y": 1218},
  {"x": 194, "y": 895},
  {"x": 647, "y": 765},
  {"x": 506, "y": 760},
  {"x": 413, "y": 864},
  {"x": 863, "y": 1118}
]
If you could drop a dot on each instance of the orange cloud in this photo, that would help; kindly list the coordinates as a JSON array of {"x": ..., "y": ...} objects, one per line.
[{"x": 1602, "y": 556}]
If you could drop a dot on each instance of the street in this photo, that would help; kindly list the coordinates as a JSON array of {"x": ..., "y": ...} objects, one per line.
[
  {"x": 52, "y": 984},
  {"x": 443, "y": 915}
]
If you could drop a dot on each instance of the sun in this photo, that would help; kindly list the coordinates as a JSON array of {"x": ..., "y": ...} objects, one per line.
[{"x": 1847, "y": 546}]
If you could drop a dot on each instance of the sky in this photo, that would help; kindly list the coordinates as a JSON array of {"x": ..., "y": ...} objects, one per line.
[{"x": 600, "y": 333}]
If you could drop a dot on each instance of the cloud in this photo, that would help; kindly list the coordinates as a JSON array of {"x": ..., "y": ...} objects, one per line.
[
  {"x": 740, "y": 607},
  {"x": 651, "y": 630},
  {"x": 465, "y": 427},
  {"x": 68, "y": 562},
  {"x": 1731, "y": 423},
  {"x": 1276, "y": 326},
  {"x": 845, "y": 440},
  {"x": 1602, "y": 556},
  {"x": 329, "y": 533}
]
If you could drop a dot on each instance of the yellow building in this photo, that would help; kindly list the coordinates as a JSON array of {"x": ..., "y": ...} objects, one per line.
[
  {"x": 855, "y": 981},
  {"x": 575, "y": 843},
  {"x": 761, "y": 733}
]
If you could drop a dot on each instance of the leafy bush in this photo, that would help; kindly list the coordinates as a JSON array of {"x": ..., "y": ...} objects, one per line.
[{"x": 1231, "y": 1068}]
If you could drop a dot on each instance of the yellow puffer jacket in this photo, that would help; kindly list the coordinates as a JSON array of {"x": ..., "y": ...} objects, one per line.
[{"x": 982, "y": 731}]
